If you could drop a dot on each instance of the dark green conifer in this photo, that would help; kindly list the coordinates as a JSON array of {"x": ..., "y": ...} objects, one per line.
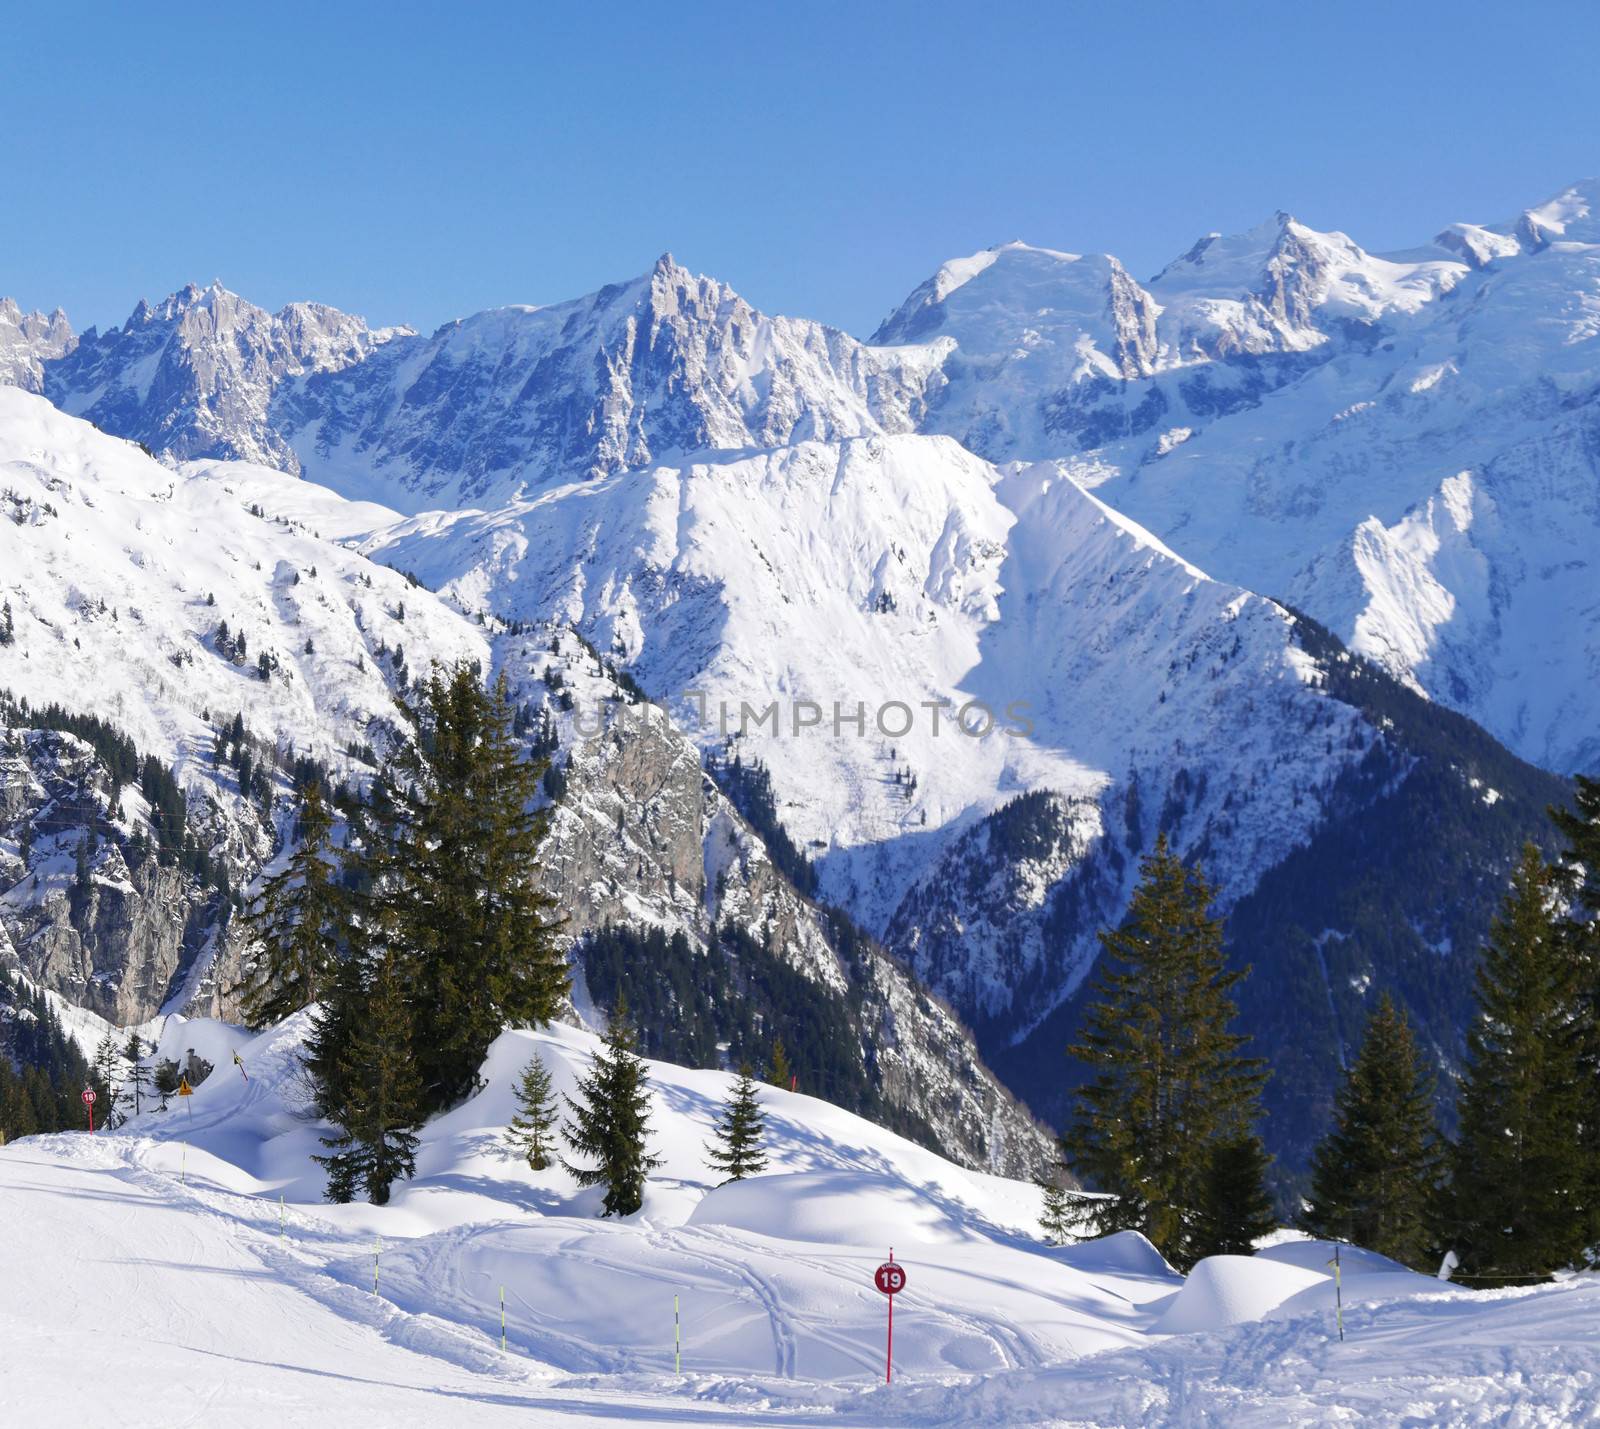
[
  {"x": 738, "y": 1152},
  {"x": 1166, "y": 1076},
  {"x": 1518, "y": 1187},
  {"x": 461, "y": 839},
  {"x": 1057, "y": 1217},
  {"x": 532, "y": 1129},
  {"x": 780, "y": 1073},
  {"x": 377, "y": 1142},
  {"x": 611, "y": 1121},
  {"x": 1375, "y": 1177},
  {"x": 1235, "y": 1208},
  {"x": 298, "y": 922}
]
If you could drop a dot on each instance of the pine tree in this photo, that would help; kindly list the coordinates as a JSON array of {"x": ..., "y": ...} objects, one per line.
[
  {"x": 1234, "y": 1209},
  {"x": 298, "y": 922},
  {"x": 139, "y": 1075},
  {"x": 459, "y": 840},
  {"x": 532, "y": 1129},
  {"x": 1057, "y": 1219},
  {"x": 780, "y": 1074},
  {"x": 166, "y": 1077},
  {"x": 738, "y": 1152},
  {"x": 611, "y": 1121},
  {"x": 105, "y": 1078},
  {"x": 1518, "y": 1186},
  {"x": 1579, "y": 873},
  {"x": 1166, "y": 1078},
  {"x": 1374, "y": 1178},
  {"x": 377, "y": 1142}
]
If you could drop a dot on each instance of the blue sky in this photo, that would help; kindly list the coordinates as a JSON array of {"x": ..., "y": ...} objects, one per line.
[{"x": 416, "y": 162}]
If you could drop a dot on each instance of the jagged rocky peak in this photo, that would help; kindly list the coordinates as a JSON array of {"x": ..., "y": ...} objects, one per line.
[
  {"x": 667, "y": 363},
  {"x": 193, "y": 375},
  {"x": 28, "y": 341}
]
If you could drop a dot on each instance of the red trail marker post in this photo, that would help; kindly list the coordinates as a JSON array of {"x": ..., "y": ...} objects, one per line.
[
  {"x": 88, "y": 1102},
  {"x": 891, "y": 1280}
]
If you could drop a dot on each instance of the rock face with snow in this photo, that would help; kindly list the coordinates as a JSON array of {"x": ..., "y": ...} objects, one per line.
[
  {"x": 667, "y": 363},
  {"x": 194, "y": 375},
  {"x": 94, "y": 908},
  {"x": 28, "y": 341}
]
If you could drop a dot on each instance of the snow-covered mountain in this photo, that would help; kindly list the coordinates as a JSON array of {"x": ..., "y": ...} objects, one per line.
[
  {"x": 1086, "y": 510},
  {"x": 28, "y": 341},
  {"x": 1403, "y": 445},
  {"x": 665, "y": 364},
  {"x": 832, "y": 609},
  {"x": 215, "y": 593},
  {"x": 195, "y": 375}
]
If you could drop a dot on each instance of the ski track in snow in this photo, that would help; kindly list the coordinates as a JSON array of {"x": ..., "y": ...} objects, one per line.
[{"x": 161, "y": 1247}]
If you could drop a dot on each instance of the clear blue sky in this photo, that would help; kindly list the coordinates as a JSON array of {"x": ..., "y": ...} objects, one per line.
[{"x": 416, "y": 162}]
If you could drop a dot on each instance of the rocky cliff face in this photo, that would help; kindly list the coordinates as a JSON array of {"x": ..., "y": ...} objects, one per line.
[
  {"x": 28, "y": 341},
  {"x": 194, "y": 375},
  {"x": 93, "y": 906},
  {"x": 669, "y": 362},
  {"x": 642, "y": 836}
]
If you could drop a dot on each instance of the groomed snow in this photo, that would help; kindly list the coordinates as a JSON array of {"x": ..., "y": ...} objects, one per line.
[{"x": 159, "y": 1251}]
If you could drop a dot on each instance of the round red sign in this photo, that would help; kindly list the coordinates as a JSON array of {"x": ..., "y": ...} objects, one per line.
[
  {"x": 88, "y": 1096},
  {"x": 890, "y": 1278}
]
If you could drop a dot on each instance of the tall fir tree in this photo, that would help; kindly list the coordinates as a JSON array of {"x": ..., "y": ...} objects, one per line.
[
  {"x": 1167, "y": 1078},
  {"x": 532, "y": 1129},
  {"x": 105, "y": 1080},
  {"x": 610, "y": 1121},
  {"x": 297, "y": 922},
  {"x": 740, "y": 1127},
  {"x": 139, "y": 1075},
  {"x": 1518, "y": 1189},
  {"x": 377, "y": 1141},
  {"x": 1579, "y": 875},
  {"x": 1375, "y": 1177},
  {"x": 1234, "y": 1209},
  {"x": 458, "y": 839}
]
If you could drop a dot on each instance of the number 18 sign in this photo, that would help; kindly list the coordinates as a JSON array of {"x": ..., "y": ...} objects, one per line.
[{"x": 891, "y": 1280}]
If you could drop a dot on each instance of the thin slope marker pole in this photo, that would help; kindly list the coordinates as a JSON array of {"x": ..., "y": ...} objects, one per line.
[
  {"x": 377, "y": 1248},
  {"x": 677, "y": 1339},
  {"x": 502, "y": 1319},
  {"x": 1338, "y": 1291},
  {"x": 888, "y": 1360}
]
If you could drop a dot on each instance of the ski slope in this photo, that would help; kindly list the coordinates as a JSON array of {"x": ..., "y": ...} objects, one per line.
[{"x": 160, "y": 1255}]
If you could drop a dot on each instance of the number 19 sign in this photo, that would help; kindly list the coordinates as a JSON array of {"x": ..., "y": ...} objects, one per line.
[{"x": 891, "y": 1280}]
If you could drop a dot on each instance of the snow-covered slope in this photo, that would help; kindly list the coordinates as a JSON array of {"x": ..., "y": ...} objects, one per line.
[
  {"x": 120, "y": 574},
  {"x": 821, "y": 600},
  {"x": 198, "y": 1234}
]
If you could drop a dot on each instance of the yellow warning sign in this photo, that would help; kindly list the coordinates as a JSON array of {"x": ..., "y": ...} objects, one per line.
[{"x": 184, "y": 1089}]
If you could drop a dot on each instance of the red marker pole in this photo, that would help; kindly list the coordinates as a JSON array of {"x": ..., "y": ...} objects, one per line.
[
  {"x": 890, "y": 1280},
  {"x": 888, "y": 1354},
  {"x": 88, "y": 1102}
]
